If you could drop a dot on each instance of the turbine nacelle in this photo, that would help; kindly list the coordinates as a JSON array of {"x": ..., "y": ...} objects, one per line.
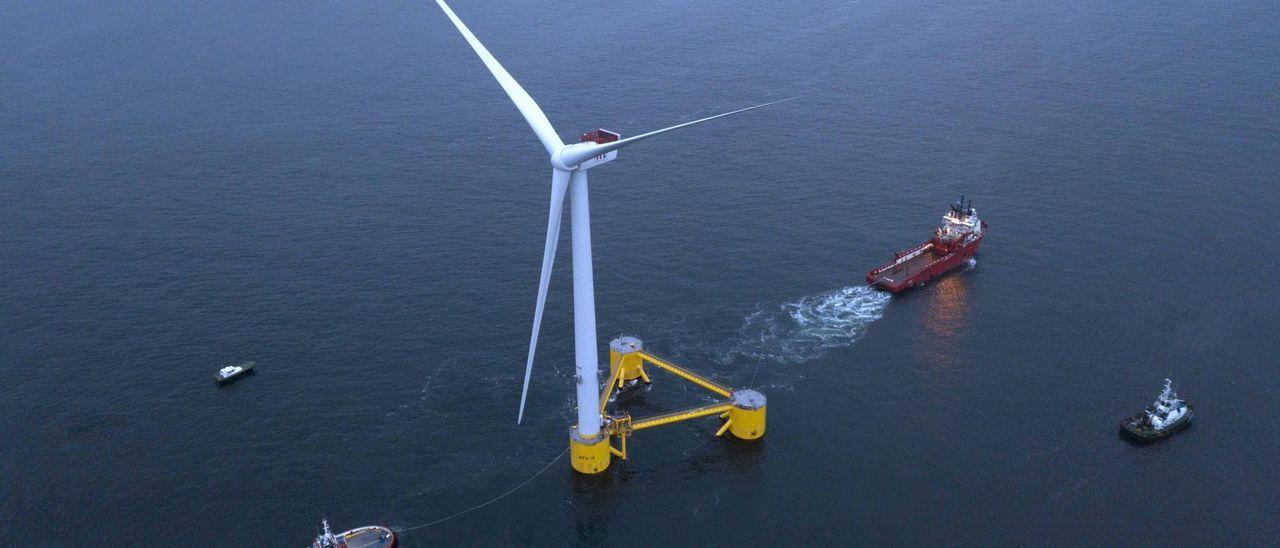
[{"x": 585, "y": 154}]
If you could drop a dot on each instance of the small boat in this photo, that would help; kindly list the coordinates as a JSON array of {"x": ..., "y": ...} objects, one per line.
[
  {"x": 372, "y": 536},
  {"x": 233, "y": 372},
  {"x": 1164, "y": 417}
]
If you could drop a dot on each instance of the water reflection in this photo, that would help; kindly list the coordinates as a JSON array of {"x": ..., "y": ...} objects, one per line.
[{"x": 945, "y": 319}]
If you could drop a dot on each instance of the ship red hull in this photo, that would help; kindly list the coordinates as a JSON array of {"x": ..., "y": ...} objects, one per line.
[{"x": 922, "y": 263}]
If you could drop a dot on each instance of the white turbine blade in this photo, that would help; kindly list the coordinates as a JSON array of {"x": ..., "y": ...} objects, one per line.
[
  {"x": 577, "y": 154},
  {"x": 528, "y": 108},
  {"x": 559, "y": 182}
]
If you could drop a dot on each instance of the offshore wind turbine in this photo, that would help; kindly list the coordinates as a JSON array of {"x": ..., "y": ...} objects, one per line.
[{"x": 569, "y": 165}]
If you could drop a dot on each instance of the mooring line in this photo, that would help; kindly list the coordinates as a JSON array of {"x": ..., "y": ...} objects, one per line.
[{"x": 490, "y": 501}]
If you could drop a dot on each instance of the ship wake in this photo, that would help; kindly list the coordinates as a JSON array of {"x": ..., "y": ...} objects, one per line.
[{"x": 805, "y": 328}]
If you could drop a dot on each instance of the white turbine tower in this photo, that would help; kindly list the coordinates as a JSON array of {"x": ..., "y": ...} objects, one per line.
[{"x": 569, "y": 164}]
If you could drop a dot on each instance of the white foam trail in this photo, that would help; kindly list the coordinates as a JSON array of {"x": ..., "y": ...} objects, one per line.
[{"x": 803, "y": 329}]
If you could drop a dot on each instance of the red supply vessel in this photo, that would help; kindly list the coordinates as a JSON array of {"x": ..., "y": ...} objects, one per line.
[{"x": 952, "y": 244}]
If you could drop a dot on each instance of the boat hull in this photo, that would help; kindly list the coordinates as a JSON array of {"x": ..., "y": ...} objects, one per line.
[
  {"x": 925, "y": 262},
  {"x": 372, "y": 536},
  {"x": 248, "y": 370},
  {"x": 1130, "y": 427}
]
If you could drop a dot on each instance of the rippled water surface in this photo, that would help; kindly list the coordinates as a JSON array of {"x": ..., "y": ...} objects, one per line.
[{"x": 340, "y": 192}]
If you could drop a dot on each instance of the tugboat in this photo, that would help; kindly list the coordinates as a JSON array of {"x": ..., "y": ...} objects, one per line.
[
  {"x": 952, "y": 244},
  {"x": 233, "y": 372},
  {"x": 372, "y": 536},
  {"x": 1164, "y": 417}
]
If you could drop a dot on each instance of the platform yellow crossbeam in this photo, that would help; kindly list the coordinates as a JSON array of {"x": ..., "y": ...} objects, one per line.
[
  {"x": 614, "y": 381},
  {"x": 682, "y": 415},
  {"x": 686, "y": 374}
]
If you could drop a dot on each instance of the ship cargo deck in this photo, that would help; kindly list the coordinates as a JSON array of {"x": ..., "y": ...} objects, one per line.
[
  {"x": 369, "y": 537},
  {"x": 900, "y": 272}
]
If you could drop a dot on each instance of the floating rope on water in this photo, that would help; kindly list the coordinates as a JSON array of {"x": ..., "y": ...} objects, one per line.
[{"x": 490, "y": 501}]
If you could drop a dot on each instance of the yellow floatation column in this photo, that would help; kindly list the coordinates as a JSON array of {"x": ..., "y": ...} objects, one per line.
[
  {"x": 746, "y": 417},
  {"x": 624, "y": 352},
  {"x": 588, "y": 455}
]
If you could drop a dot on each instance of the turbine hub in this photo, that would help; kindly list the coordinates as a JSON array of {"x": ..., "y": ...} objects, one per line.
[{"x": 557, "y": 159}]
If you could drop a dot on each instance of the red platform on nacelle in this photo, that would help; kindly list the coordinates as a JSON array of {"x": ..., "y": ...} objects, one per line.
[{"x": 599, "y": 136}]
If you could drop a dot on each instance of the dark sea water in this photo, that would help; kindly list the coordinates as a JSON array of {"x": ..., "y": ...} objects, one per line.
[{"x": 341, "y": 192}]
